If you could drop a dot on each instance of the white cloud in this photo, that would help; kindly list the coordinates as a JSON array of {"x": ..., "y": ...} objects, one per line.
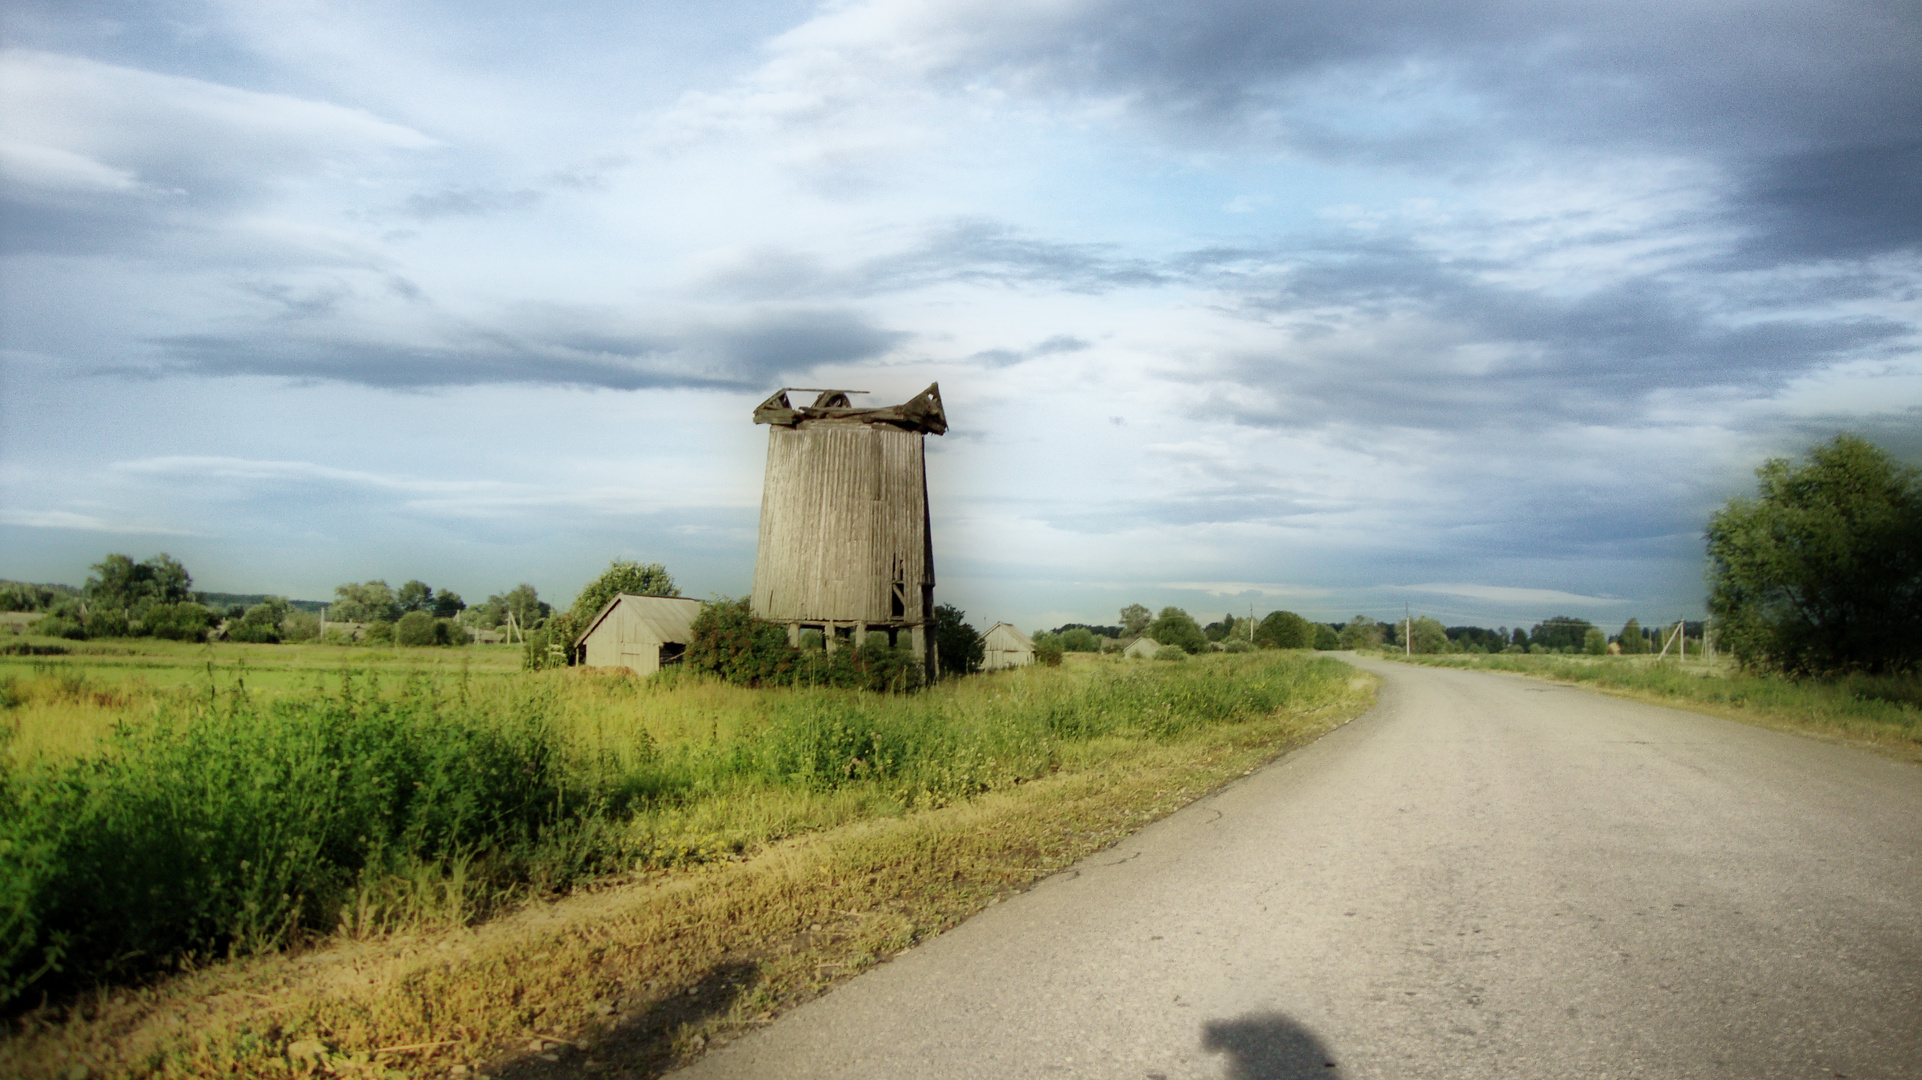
[
  {"x": 67, "y": 519},
  {"x": 1247, "y": 588},
  {"x": 1508, "y": 594}
]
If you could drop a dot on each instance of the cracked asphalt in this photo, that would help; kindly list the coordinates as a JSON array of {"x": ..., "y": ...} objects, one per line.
[{"x": 1483, "y": 876}]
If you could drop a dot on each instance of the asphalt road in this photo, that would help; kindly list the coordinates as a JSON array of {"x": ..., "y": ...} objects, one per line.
[{"x": 1484, "y": 876}]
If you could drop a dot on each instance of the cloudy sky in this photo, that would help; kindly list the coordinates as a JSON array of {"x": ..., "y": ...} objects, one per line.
[{"x": 1477, "y": 306}]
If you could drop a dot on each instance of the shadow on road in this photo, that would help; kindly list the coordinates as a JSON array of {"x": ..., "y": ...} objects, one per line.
[{"x": 1268, "y": 1046}]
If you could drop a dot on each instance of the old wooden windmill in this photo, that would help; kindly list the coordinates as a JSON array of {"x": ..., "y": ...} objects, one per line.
[{"x": 845, "y": 546}]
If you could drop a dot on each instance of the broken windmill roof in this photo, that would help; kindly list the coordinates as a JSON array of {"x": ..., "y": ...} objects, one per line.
[{"x": 921, "y": 413}]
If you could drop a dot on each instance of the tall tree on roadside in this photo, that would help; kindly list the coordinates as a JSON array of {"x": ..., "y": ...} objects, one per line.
[
  {"x": 1135, "y": 620},
  {"x": 1284, "y": 630},
  {"x": 1822, "y": 570},
  {"x": 622, "y": 576},
  {"x": 959, "y": 647}
]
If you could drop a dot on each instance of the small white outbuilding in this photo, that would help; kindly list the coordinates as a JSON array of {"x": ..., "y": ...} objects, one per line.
[
  {"x": 640, "y": 633},
  {"x": 1006, "y": 647},
  {"x": 1141, "y": 648}
]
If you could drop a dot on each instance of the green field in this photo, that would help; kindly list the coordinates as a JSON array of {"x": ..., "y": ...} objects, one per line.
[
  {"x": 169, "y": 804},
  {"x": 1884, "y": 712}
]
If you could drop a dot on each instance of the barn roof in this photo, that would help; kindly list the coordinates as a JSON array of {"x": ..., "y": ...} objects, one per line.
[
  {"x": 1008, "y": 630},
  {"x": 669, "y": 618},
  {"x": 922, "y": 412}
]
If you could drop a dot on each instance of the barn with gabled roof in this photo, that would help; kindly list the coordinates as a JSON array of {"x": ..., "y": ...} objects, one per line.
[{"x": 641, "y": 633}]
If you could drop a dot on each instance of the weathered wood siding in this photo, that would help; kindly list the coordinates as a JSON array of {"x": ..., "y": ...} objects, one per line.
[
  {"x": 844, "y": 518},
  {"x": 630, "y": 631}
]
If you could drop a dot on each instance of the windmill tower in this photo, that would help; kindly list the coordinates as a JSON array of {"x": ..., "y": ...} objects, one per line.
[{"x": 845, "y": 546}]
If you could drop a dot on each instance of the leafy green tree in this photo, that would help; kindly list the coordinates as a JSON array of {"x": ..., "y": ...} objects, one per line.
[
  {"x": 177, "y": 622},
  {"x": 1562, "y": 633},
  {"x": 1594, "y": 642},
  {"x": 1048, "y": 652},
  {"x": 126, "y": 586},
  {"x": 1634, "y": 641},
  {"x": 415, "y": 628},
  {"x": 1361, "y": 632},
  {"x": 1822, "y": 571},
  {"x": 1326, "y": 637},
  {"x": 958, "y": 646},
  {"x": 415, "y": 596},
  {"x": 448, "y": 605},
  {"x": 1080, "y": 639},
  {"x": 1176, "y": 627},
  {"x": 525, "y": 605},
  {"x": 261, "y": 624},
  {"x": 623, "y": 576},
  {"x": 1283, "y": 630},
  {"x": 1135, "y": 620},
  {"x": 1428, "y": 635},
  {"x": 368, "y": 602}
]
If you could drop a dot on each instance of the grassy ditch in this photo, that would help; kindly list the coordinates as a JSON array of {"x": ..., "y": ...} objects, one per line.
[
  {"x": 750, "y": 847},
  {"x": 1884, "y": 712}
]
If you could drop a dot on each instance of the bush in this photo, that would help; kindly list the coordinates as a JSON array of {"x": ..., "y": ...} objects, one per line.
[
  {"x": 416, "y": 628},
  {"x": 1236, "y": 645},
  {"x": 177, "y": 622},
  {"x": 108, "y": 622},
  {"x": 300, "y": 626},
  {"x": 1326, "y": 638},
  {"x": 1594, "y": 642},
  {"x": 378, "y": 632},
  {"x": 449, "y": 632},
  {"x": 728, "y": 641},
  {"x": 59, "y": 626},
  {"x": 261, "y": 624},
  {"x": 1048, "y": 653},
  {"x": 1171, "y": 652}
]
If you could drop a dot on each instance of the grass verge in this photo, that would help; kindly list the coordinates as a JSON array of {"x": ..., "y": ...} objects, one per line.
[
  {"x": 636, "y": 974},
  {"x": 1883, "y": 713}
]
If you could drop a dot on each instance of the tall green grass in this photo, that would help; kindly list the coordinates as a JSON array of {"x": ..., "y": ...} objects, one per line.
[{"x": 213, "y": 824}]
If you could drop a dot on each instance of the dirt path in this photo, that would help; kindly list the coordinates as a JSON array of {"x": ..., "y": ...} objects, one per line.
[{"x": 1482, "y": 877}]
